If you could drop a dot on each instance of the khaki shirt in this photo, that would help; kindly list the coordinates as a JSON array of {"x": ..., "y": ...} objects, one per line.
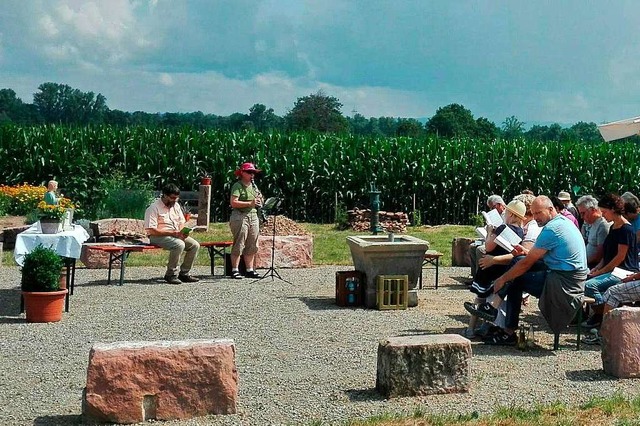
[{"x": 163, "y": 218}]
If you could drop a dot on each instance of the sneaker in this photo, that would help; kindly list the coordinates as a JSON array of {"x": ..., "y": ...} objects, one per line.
[
  {"x": 480, "y": 290},
  {"x": 186, "y": 278},
  {"x": 483, "y": 310},
  {"x": 252, "y": 274},
  {"x": 593, "y": 338},
  {"x": 469, "y": 333},
  {"x": 593, "y": 322},
  {"x": 236, "y": 275},
  {"x": 501, "y": 338},
  {"x": 172, "y": 279}
]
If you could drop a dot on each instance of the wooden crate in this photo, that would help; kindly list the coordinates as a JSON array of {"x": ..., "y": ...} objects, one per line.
[{"x": 392, "y": 291}]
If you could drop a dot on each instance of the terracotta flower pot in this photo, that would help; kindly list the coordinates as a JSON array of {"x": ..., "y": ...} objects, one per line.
[
  {"x": 205, "y": 181},
  {"x": 45, "y": 306},
  {"x": 63, "y": 278}
]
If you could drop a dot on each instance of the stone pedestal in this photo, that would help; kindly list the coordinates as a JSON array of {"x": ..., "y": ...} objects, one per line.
[
  {"x": 423, "y": 365},
  {"x": 460, "y": 252},
  {"x": 132, "y": 382},
  {"x": 620, "y": 332},
  {"x": 204, "y": 205},
  {"x": 376, "y": 255},
  {"x": 291, "y": 251}
]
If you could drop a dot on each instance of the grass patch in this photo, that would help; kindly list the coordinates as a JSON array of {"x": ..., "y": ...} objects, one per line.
[
  {"x": 329, "y": 245},
  {"x": 606, "y": 410}
]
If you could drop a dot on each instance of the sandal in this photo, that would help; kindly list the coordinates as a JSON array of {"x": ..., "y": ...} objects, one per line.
[{"x": 236, "y": 275}]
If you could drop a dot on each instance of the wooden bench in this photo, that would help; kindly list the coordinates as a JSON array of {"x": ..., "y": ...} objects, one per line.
[
  {"x": 556, "y": 337},
  {"x": 431, "y": 261},
  {"x": 217, "y": 249},
  {"x": 121, "y": 253}
]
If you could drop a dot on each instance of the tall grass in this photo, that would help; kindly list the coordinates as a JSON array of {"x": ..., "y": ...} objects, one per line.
[{"x": 449, "y": 178}]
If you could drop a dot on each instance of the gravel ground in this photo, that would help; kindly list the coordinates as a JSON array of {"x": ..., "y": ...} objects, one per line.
[{"x": 301, "y": 359}]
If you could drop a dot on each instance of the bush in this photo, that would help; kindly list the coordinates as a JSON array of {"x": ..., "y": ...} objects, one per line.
[
  {"x": 5, "y": 204},
  {"x": 123, "y": 197},
  {"x": 41, "y": 270}
]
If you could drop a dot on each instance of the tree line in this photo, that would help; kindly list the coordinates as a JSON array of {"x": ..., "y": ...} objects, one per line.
[{"x": 56, "y": 103}]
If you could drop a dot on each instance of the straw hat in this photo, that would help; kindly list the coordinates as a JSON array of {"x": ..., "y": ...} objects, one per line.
[
  {"x": 564, "y": 196},
  {"x": 518, "y": 208}
]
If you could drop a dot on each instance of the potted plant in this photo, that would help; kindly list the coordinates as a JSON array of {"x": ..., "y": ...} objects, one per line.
[
  {"x": 51, "y": 215},
  {"x": 43, "y": 299}
]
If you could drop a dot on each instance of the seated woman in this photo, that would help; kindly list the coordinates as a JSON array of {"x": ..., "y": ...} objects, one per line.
[
  {"x": 515, "y": 214},
  {"x": 620, "y": 250},
  {"x": 562, "y": 209}
]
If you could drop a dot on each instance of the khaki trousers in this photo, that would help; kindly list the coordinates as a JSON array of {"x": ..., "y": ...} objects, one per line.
[{"x": 176, "y": 246}]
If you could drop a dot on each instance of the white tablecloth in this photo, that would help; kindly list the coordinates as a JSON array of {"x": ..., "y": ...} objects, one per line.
[{"x": 66, "y": 243}]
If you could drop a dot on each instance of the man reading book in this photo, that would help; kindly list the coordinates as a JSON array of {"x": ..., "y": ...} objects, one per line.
[{"x": 164, "y": 221}]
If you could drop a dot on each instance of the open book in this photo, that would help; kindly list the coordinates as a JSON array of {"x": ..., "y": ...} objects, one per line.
[
  {"x": 621, "y": 273},
  {"x": 492, "y": 218},
  {"x": 188, "y": 229},
  {"x": 482, "y": 232},
  {"x": 507, "y": 239}
]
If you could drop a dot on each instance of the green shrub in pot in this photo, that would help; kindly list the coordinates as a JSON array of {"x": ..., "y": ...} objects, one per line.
[{"x": 41, "y": 270}]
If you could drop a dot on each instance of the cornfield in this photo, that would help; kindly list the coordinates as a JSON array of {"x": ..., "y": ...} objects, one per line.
[{"x": 448, "y": 179}]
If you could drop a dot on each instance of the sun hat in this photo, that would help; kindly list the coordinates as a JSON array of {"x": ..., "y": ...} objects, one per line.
[
  {"x": 517, "y": 207},
  {"x": 564, "y": 196},
  {"x": 247, "y": 167}
]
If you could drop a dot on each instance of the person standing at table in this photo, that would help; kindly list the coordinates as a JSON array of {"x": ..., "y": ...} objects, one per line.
[
  {"x": 244, "y": 223},
  {"x": 50, "y": 197},
  {"x": 163, "y": 221}
]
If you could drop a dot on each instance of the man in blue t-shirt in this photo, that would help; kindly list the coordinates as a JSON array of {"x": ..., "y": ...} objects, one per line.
[{"x": 561, "y": 247}]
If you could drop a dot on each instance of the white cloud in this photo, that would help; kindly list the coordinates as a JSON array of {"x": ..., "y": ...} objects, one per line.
[{"x": 165, "y": 79}]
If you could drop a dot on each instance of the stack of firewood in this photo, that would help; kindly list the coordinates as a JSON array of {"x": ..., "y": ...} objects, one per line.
[{"x": 360, "y": 220}]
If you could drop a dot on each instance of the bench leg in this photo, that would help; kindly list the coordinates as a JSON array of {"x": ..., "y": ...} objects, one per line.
[
  {"x": 556, "y": 341},
  {"x": 437, "y": 270}
]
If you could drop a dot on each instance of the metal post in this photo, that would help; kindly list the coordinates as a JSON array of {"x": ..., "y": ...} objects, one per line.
[{"x": 374, "y": 196}]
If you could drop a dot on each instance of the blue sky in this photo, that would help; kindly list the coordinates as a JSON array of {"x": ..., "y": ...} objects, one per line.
[{"x": 542, "y": 61}]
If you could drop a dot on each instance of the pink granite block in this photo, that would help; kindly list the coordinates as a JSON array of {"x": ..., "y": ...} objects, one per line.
[
  {"x": 620, "y": 332},
  {"x": 131, "y": 382}
]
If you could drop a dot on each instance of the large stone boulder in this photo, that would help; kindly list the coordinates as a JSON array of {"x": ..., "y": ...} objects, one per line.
[
  {"x": 96, "y": 259},
  {"x": 9, "y": 235},
  {"x": 620, "y": 332},
  {"x": 291, "y": 251},
  {"x": 460, "y": 251},
  {"x": 423, "y": 365},
  {"x": 131, "y": 382},
  {"x": 119, "y": 227}
]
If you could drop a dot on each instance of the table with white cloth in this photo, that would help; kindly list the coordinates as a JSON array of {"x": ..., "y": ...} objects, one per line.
[{"x": 67, "y": 244}]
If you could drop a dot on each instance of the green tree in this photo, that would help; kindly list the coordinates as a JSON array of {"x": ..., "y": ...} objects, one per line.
[
  {"x": 586, "y": 132},
  {"x": 60, "y": 103},
  {"x": 486, "y": 130},
  {"x": 409, "y": 127},
  {"x": 263, "y": 118},
  {"x": 512, "y": 128},
  {"x": 453, "y": 120},
  {"x": 317, "y": 112}
]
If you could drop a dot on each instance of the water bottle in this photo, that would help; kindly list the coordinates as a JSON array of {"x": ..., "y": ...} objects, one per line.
[
  {"x": 351, "y": 299},
  {"x": 522, "y": 339}
]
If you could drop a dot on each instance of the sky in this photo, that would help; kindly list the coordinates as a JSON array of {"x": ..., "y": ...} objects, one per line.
[{"x": 541, "y": 61}]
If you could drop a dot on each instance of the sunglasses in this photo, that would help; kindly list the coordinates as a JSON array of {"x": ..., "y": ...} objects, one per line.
[{"x": 250, "y": 172}]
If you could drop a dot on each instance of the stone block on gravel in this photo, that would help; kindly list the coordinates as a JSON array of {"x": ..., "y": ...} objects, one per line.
[
  {"x": 423, "y": 365},
  {"x": 291, "y": 251},
  {"x": 620, "y": 332},
  {"x": 460, "y": 252},
  {"x": 131, "y": 382}
]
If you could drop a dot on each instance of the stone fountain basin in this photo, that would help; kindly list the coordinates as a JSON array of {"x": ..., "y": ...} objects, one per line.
[{"x": 376, "y": 255}]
